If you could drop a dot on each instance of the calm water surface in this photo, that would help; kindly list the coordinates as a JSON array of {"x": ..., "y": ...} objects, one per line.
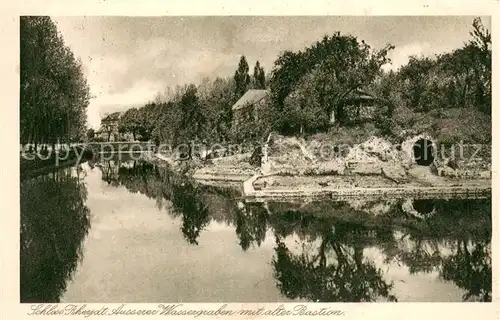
[{"x": 128, "y": 231}]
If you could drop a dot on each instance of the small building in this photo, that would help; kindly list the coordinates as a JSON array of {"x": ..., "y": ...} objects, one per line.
[
  {"x": 246, "y": 109},
  {"x": 359, "y": 106},
  {"x": 109, "y": 127}
]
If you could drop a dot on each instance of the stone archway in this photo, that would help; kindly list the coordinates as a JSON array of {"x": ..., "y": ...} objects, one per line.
[
  {"x": 423, "y": 152},
  {"x": 413, "y": 146}
]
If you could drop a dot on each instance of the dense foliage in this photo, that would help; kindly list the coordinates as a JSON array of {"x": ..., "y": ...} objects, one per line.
[
  {"x": 441, "y": 95},
  {"x": 241, "y": 77},
  {"x": 449, "y": 94},
  {"x": 308, "y": 85},
  {"x": 461, "y": 78},
  {"x": 259, "y": 77},
  {"x": 193, "y": 113},
  {"x": 53, "y": 90}
]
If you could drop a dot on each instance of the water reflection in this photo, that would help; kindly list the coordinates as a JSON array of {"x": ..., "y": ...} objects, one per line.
[
  {"x": 332, "y": 268},
  {"x": 327, "y": 261},
  {"x": 194, "y": 212},
  {"x": 325, "y": 251},
  {"x": 162, "y": 185},
  {"x": 470, "y": 269},
  {"x": 464, "y": 228},
  {"x": 251, "y": 225},
  {"x": 54, "y": 223}
]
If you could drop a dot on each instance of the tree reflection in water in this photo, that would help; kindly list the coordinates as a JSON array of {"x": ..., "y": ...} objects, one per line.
[
  {"x": 251, "y": 225},
  {"x": 146, "y": 178},
  {"x": 337, "y": 271},
  {"x": 331, "y": 267},
  {"x": 470, "y": 269},
  {"x": 460, "y": 226},
  {"x": 187, "y": 202},
  {"x": 465, "y": 227},
  {"x": 54, "y": 223}
]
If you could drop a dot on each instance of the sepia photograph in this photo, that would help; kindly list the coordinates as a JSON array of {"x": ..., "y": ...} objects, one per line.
[{"x": 254, "y": 159}]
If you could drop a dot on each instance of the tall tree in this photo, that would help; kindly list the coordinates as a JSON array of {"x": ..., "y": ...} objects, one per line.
[
  {"x": 217, "y": 102},
  {"x": 259, "y": 77},
  {"x": 54, "y": 94},
  {"x": 167, "y": 124},
  {"x": 325, "y": 75},
  {"x": 130, "y": 122},
  {"x": 288, "y": 69},
  {"x": 193, "y": 120},
  {"x": 241, "y": 77},
  {"x": 481, "y": 39}
]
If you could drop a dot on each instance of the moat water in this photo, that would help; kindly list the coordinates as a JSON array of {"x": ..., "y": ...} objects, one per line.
[{"x": 130, "y": 231}]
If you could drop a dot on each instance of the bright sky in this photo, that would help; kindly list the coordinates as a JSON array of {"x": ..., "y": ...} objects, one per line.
[{"x": 128, "y": 60}]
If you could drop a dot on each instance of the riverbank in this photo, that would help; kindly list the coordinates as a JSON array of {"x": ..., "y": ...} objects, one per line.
[
  {"x": 32, "y": 164},
  {"x": 291, "y": 167}
]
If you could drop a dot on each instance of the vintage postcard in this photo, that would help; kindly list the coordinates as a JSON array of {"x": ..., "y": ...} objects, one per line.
[{"x": 253, "y": 164}]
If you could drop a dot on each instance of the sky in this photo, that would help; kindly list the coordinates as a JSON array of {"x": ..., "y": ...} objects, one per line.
[{"x": 129, "y": 60}]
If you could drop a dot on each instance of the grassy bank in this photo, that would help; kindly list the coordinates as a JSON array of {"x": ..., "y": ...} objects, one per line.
[{"x": 449, "y": 126}]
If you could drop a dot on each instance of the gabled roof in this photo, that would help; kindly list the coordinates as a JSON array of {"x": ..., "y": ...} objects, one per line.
[
  {"x": 250, "y": 97},
  {"x": 115, "y": 116}
]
